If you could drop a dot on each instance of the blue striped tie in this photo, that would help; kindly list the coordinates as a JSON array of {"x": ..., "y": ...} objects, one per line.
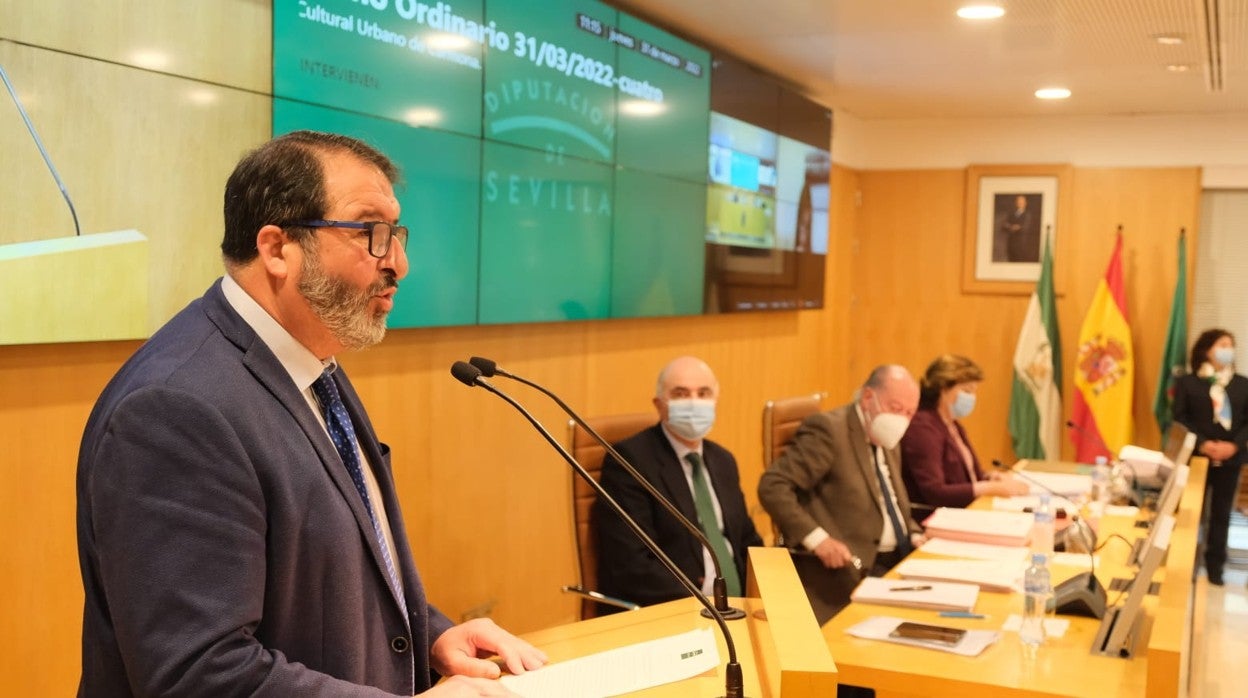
[{"x": 342, "y": 433}]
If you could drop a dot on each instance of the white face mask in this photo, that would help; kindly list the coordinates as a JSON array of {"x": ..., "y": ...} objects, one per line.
[
  {"x": 690, "y": 418},
  {"x": 886, "y": 428},
  {"x": 1224, "y": 355}
]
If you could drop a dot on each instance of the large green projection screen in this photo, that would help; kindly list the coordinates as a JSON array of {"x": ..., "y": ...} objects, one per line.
[{"x": 554, "y": 151}]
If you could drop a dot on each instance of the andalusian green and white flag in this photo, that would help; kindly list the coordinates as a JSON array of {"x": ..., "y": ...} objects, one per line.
[{"x": 1036, "y": 400}]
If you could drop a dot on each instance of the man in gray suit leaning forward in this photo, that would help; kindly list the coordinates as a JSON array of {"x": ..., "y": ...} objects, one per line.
[
  {"x": 836, "y": 492},
  {"x": 239, "y": 532}
]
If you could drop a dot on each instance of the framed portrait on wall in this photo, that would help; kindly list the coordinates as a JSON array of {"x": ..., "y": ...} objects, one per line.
[{"x": 1010, "y": 209}]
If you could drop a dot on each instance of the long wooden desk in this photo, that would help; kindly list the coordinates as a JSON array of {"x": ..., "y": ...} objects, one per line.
[
  {"x": 778, "y": 644},
  {"x": 1064, "y": 666}
]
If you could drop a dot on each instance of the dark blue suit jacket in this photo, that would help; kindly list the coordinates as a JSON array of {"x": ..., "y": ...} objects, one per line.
[
  {"x": 626, "y": 568},
  {"x": 224, "y": 549}
]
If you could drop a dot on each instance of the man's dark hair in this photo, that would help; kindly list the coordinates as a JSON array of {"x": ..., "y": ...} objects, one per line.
[
  {"x": 283, "y": 181},
  {"x": 1205, "y": 342}
]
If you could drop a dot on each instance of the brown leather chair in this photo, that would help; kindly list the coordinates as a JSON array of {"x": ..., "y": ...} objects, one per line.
[
  {"x": 781, "y": 418},
  {"x": 589, "y": 453}
]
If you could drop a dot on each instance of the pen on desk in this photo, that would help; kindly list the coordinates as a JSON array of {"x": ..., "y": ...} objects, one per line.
[
  {"x": 961, "y": 614},
  {"x": 918, "y": 588}
]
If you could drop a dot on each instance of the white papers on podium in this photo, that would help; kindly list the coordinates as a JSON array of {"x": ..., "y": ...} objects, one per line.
[
  {"x": 879, "y": 627},
  {"x": 979, "y": 526},
  {"x": 1064, "y": 484},
  {"x": 622, "y": 670},
  {"x": 988, "y": 575},
  {"x": 933, "y": 596}
]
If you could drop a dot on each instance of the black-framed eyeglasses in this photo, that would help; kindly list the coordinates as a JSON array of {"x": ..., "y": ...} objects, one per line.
[{"x": 380, "y": 233}]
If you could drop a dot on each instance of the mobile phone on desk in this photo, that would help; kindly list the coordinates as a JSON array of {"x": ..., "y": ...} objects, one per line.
[{"x": 940, "y": 634}]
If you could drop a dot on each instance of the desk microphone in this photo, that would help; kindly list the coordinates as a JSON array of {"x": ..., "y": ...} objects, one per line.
[
  {"x": 1133, "y": 495},
  {"x": 734, "y": 685},
  {"x": 1082, "y": 594},
  {"x": 1085, "y": 436},
  {"x": 489, "y": 369}
]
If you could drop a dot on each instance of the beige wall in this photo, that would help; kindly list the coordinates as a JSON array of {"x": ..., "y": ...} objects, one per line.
[{"x": 484, "y": 498}]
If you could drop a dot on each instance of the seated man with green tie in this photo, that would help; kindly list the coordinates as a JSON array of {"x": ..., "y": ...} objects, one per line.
[{"x": 696, "y": 474}]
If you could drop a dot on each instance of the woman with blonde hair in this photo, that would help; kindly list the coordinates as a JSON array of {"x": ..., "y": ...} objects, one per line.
[{"x": 938, "y": 465}]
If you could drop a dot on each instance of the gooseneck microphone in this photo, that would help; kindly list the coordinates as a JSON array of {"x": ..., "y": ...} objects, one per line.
[
  {"x": 489, "y": 368},
  {"x": 1082, "y": 594},
  {"x": 734, "y": 684},
  {"x": 1085, "y": 435},
  {"x": 47, "y": 159}
]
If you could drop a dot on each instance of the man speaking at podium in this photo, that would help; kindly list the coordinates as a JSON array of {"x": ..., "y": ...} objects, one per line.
[
  {"x": 696, "y": 474},
  {"x": 238, "y": 527}
]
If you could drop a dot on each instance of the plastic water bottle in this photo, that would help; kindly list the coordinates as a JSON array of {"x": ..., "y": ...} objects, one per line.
[
  {"x": 1037, "y": 590},
  {"x": 1100, "y": 483},
  {"x": 1042, "y": 529}
]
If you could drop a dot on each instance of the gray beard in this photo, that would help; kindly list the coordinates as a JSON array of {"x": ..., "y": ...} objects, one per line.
[{"x": 343, "y": 309}]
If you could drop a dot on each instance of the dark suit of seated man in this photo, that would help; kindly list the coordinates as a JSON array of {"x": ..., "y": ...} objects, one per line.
[
  {"x": 685, "y": 398},
  {"x": 837, "y": 493}
]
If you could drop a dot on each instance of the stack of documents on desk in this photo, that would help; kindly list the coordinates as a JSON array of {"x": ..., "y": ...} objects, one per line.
[
  {"x": 978, "y": 526},
  {"x": 1065, "y": 484},
  {"x": 932, "y": 596},
  {"x": 976, "y": 551},
  {"x": 988, "y": 575},
  {"x": 879, "y": 628},
  {"x": 1031, "y": 502}
]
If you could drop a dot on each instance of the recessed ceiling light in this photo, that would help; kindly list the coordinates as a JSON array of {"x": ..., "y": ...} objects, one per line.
[
  {"x": 980, "y": 11},
  {"x": 422, "y": 116},
  {"x": 150, "y": 59},
  {"x": 1168, "y": 39},
  {"x": 1179, "y": 67},
  {"x": 1052, "y": 93}
]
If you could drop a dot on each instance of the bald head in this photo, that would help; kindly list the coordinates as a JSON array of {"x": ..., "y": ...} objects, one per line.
[
  {"x": 685, "y": 377},
  {"x": 894, "y": 388}
]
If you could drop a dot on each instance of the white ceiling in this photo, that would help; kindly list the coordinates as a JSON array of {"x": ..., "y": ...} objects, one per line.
[{"x": 880, "y": 59}]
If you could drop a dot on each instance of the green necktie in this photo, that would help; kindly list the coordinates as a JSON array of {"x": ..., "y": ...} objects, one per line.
[{"x": 706, "y": 519}]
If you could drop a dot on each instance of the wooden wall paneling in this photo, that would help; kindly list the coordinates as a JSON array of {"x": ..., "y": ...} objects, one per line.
[
  {"x": 225, "y": 42},
  {"x": 46, "y": 393},
  {"x": 137, "y": 150}
]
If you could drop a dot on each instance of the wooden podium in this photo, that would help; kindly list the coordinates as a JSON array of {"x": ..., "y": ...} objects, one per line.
[{"x": 779, "y": 646}]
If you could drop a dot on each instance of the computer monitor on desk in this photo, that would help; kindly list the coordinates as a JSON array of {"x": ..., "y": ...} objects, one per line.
[
  {"x": 1167, "y": 505},
  {"x": 1121, "y": 624}
]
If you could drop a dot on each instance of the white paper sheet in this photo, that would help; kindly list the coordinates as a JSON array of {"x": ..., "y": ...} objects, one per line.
[
  {"x": 1068, "y": 484},
  {"x": 1032, "y": 502},
  {"x": 990, "y": 575},
  {"x": 622, "y": 670},
  {"x": 976, "y": 551},
  {"x": 936, "y": 596},
  {"x": 878, "y": 628}
]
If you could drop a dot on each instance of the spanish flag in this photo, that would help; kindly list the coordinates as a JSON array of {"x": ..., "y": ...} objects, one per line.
[{"x": 1104, "y": 370}]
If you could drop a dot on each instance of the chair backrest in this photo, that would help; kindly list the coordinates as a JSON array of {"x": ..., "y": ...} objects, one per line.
[
  {"x": 589, "y": 453},
  {"x": 781, "y": 418}
]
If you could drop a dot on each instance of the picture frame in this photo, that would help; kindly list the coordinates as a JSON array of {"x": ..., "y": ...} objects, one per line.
[{"x": 1009, "y": 211}]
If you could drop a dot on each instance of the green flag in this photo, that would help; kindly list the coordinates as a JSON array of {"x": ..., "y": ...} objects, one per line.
[
  {"x": 1036, "y": 398},
  {"x": 1174, "y": 354}
]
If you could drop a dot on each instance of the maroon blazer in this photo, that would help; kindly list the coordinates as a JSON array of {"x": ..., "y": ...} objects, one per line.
[{"x": 932, "y": 465}]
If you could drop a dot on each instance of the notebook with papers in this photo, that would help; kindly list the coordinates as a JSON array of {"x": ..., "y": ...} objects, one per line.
[
  {"x": 988, "y": 575},
  {"x": 933, "y": 596},
  {"x": 1011, "y": 528}
]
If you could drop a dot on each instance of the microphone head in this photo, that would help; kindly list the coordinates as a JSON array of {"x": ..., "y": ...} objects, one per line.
[
  {"x": 465, "y": 373},
  {"x": 485, "y": 366}
]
